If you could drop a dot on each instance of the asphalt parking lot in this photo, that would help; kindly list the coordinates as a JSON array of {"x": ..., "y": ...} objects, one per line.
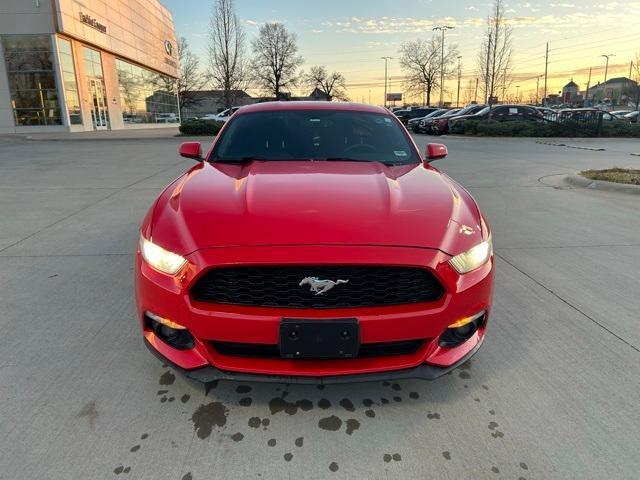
[{"x": 553, "y": 394}]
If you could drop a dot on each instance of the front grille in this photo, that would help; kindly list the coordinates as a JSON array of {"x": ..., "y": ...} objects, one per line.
[
  {"x": 279, "y": 286},
  {"x": 257, "y": 350}
]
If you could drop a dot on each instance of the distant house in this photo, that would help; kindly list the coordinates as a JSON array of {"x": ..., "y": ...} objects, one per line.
[
  {"x": 619, "y": 91},
  {"x": 202, "y": 102},
  {"x": 571, "y": 93},
  {"x": 316, "y": 95}
]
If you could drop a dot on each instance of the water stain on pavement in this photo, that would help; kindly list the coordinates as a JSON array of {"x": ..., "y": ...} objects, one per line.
[
  {"x": 331, "y": 423},
  {"x": 347, "y": 405},
  {"x": 167, "y": 378},
  {"x": 237, "y": 437},
  {"x": 299, "y": 441},
  {"x": 90, "y": 411},
  {"x": 207, "y": 416},
  {"x": 352, "y": 425},
  {"x": 333, "y": 466},
  {"x": 446, "y": 455},
  {"x": 288, "y": 457},
  {"x": 323, "y": 403},
  {"x": 243, "y": 389},
  {"x": 279, "y": 404}
]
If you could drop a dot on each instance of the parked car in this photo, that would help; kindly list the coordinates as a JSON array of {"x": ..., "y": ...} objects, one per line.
[
  {"x": 414, "y": 123},
  {"x": 166, "y": 118},
  {"x": 583, "y": 114},
  {"x": 498, "y": 113},
  {"x": 632, "y": 117},
  {"x": 428, "y": 125},
  {"x": 222, "y": 116},
  {"x": 302, "y": 285},
  {"x": 620, "y": 113},
  {"x": 441, "y": 125},
  {"x": 406, "y": 115}
]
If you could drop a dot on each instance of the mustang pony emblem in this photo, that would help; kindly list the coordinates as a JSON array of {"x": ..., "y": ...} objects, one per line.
[{"x": 320, "y": 286}]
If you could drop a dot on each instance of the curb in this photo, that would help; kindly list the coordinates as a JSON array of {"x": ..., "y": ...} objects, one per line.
[
  {"x": 582, "y": 182},
  {"x": 593, "y": 149}
]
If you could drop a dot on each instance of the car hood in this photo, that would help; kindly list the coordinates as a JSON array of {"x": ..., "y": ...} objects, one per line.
[{"x": 287, "y": 203}]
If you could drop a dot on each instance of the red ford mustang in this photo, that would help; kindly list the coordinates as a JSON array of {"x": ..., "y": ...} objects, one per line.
[{"x": 312, "y": 243}]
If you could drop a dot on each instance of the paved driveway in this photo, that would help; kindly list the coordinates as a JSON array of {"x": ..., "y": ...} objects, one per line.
[{"x": 554, "y": 393}]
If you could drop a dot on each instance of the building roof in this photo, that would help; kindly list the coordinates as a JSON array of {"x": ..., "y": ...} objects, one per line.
[
  {"x": 310, "y": 105},
  {"x": 571, "y": 84},
  {"x": 214, "y": 93}
]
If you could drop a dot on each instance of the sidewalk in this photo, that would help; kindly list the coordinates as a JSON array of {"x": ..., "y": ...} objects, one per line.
[{"x": 125, "y": 134}]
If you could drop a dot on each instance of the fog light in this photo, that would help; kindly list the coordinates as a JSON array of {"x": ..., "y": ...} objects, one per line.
[
  {"x": 170, "y": 332},
  {"x": 461, "y": 330},
  {"x": 164, "y": 321}
]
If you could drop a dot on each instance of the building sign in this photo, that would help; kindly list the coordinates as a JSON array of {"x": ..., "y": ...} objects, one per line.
[
  {"x": 168, "y": 47},
  {"x": 168, "y": 61},
  {"x": 92, "y": 22},
  {"x": 392, "y": 97}
]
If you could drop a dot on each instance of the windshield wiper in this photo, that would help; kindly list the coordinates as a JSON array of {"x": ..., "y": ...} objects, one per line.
[
  {"x": 349, "y": 159},
  {"x": 239, "y": 160}
]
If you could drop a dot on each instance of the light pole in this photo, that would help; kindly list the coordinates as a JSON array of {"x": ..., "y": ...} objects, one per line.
[
  {"x": 442, "y": 28},
  {"x": 537, "y": 88},
  {"x": 459, "y": 73},
  {"x": 606, "y": 67},
  {"x": 386, "y": 59}
]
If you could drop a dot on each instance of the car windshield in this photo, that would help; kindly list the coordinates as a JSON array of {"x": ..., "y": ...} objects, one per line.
[
  {"x": 483, "y": 111},
  {"x": 314, "y": 135}
]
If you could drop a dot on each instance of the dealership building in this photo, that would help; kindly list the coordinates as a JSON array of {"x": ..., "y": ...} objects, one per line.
[{"x": 83, "y": 65}]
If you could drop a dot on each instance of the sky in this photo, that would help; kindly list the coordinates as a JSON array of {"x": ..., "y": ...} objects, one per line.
[{"x": 350, "y": 36}]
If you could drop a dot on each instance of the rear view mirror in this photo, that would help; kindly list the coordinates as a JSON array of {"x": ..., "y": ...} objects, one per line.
[
  {"x": 436, "y": 151},
  {"x": 191, "y": 150}
]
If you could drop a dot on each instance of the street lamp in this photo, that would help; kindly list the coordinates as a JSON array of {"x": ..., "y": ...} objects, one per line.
[
  {"x": 442, "y": 28},
  {"x": 386, "y": 59},
  {"x": 606, "y": 67}
]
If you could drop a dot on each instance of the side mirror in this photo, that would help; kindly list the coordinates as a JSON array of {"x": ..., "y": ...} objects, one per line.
[
  {"x": 191, "y": 150},
  {"x": 435, "y": 151}
]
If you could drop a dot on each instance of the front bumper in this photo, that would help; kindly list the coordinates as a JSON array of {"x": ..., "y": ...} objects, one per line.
[
  {"x": 209, "y": 376},
  {"x": 169, "y": 297}
]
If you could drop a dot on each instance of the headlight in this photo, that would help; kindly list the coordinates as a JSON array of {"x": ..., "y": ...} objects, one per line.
[
  {"x": 159, "y": 258},
  {"x": 474, "y": 258}
]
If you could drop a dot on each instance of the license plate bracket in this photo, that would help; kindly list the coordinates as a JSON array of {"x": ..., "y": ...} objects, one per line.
[{"x": 301, "y": 338}]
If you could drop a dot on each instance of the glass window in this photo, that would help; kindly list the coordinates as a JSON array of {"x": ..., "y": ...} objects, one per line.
[
  {"x": 315, "y": 135},
  {"x": 146, "y": 96},
  {"x": 32, "y": 79},
  {"x": 69, "y": 81}
]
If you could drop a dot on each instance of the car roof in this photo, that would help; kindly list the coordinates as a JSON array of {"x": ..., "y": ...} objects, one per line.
[{"x": 310, "y": 105}]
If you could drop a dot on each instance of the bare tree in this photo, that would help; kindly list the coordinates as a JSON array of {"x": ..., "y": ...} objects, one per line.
[
  {"x": 227, "y": 63},
  {"x": 420, "y": 60},
  {"x": 494, "y": 59},
  {"x": 190, "y": 78},
  {"x": 275, "y": 59},
  {"x": 333, "y": 84}
]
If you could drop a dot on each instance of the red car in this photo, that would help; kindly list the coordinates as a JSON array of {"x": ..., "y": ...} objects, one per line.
[{"x": 312, "y": 243}]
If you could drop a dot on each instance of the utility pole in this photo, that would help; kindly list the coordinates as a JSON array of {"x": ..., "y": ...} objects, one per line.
[
  {"x": 386, "y": 59},
  {"x": 537, "y": 88},
  {"x": 442, "y": 28},
  {"x": 459, "y": 74},
  {"x": 517, "y": 93},
  {"x": 586, "y": 94},
  {"x": 630, "y": 69},
  {"x": 369, "y": 96},
  {"x": 475, "y": 94},
  {"x": 546, "y": 70}
]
